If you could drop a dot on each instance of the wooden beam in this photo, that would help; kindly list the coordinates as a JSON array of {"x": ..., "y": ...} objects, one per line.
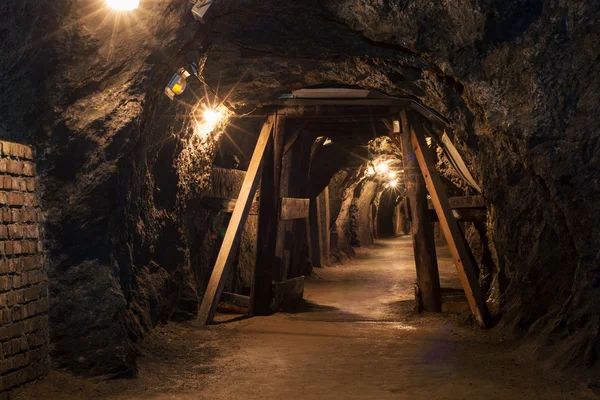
[
  {"x": 220, "y": 204},
  {"x": 316, "y": 236},
  {"x": 260, "y": 298},
  {"x": 291, "y": 141},
  {"x": 288, "y": 294},
  {"x": 326, "y": 226},
  {"x": 284, "y": 227},
  {"x": 237, "y": 299},
  {"x": 463, "y": 215},
  {"x": 428, "y": 279},
  {"x": 466, "y": 269},
  {"x": 452, "y": 154},
  {"x": 455, "y": 156},
  {"x": 291, "y": 208},
  {"x": 234, "y": 230},
  {"x": 463, "y": 202}
]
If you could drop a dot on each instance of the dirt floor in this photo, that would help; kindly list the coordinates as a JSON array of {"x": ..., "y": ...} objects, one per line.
[{"x": 358, "y": 337}]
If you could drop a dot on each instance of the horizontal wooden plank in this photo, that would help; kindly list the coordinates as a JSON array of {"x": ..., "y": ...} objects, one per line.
[
  {"x": 237, "y": 299},
  {"x": 219, "y": 204},
  {"x": 292, "y": 208},
  {"x": 464, "y": 215},
  {"x": 287, "y": 294},
  {"x": 464, "y": 202}
]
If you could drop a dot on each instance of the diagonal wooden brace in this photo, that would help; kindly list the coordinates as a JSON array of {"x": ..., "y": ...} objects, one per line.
[
  {"x": 232, "y": 237},
  {"x": 458, "y": 247}
]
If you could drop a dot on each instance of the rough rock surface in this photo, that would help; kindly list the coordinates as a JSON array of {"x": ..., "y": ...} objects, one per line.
[{"x": 518, "y": 80}]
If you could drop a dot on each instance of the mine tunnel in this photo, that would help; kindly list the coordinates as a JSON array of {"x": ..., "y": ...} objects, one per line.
[{"x": 317, "y": 199}]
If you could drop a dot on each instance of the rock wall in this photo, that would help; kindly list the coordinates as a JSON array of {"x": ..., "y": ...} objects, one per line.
[
  {"x": 361, "y": 214},
  {"x": 23, "y": 281}
]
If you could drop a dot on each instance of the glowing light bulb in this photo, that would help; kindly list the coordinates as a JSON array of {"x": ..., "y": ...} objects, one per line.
[
  {"x": 394, "y": 183},
  {"x": 123, "y": 5},
  {"x": 382, "y": 168},
  {"x": 212, "y": 117},
  {"x": 392, "y": 174}
]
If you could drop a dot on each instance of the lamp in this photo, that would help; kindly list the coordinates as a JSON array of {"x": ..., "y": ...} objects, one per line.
[
  {"x": 177, "y": 84},
  {"x": 211, "y": 118}
]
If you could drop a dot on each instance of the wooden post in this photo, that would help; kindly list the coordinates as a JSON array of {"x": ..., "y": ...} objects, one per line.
[
  {"x": 316, "y": 238},
  {"x": 284, "y": 227},
  {"x": 428, "y": 278},
  {"x": 234, "y": 230},
  {"x": 326, "y": 227},
  {"x": 260, "y": 298},
  {"x": 300, "y": 178},
  {"x": 460, "y": 253}
]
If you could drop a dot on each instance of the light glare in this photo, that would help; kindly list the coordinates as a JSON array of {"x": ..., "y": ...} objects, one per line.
[
  {"x": 394, "y": 183},
  {"x": 392, "y": 175},
  {"x": 212, "y": 117},
  {"x": 382, "y": 168},
  {"x": 123, "y": 5}
]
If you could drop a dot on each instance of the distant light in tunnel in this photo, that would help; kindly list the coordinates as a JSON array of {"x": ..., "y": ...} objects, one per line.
[
  {"x": 123, "y": 5},
  {"x": 382, "y": 168}
]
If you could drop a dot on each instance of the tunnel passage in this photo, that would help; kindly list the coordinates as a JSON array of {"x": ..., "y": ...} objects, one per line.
[
  {"x": 290, "y": 223},
  {"x": 388, "y": 219},
  {"x": 522, "y": 115}
]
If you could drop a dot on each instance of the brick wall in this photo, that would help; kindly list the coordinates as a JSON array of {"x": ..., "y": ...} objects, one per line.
[{"x": 23, "y": 282}]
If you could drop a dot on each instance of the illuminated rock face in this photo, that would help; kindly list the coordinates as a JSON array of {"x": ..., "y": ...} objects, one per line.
[{"x": 516, "y": 78}]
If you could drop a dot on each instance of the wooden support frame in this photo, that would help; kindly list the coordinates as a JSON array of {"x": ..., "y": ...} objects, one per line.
[
  {"x": 234, "y": 229},
  {"x": 272, "y": 149},
  {"x": 428, "y": 279},
  {"x": 458, "y": 247}
]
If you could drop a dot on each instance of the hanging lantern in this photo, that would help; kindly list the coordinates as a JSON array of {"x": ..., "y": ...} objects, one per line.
[{"x": 177, "y": 84}]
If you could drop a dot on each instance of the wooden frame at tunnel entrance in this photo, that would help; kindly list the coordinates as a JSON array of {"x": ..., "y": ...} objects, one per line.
[{"x": 284, "y": 203}]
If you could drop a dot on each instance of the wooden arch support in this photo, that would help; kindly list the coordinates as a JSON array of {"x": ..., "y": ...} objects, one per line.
[{"x": 273, "y": 145}]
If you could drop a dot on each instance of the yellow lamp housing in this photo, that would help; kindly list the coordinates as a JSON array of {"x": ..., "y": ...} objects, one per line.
[{"x": 177, "y": 84}]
